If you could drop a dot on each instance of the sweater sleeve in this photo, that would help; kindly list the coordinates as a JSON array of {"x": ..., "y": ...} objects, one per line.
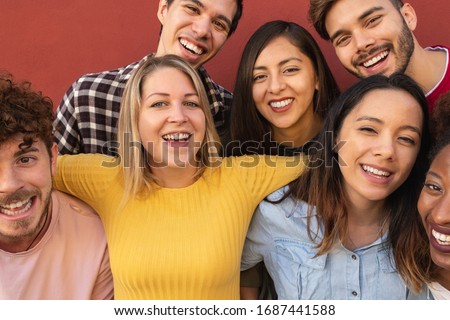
[
  {"x": 264, "y": 174},
  {"x": 85, "y": 176}
]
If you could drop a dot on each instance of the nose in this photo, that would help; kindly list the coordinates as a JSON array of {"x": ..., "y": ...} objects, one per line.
[
  {"x": 441, "y": 210},
  {"x": 201, "y": 27},
  {"x": 276, "y": 84},
  {"x": 384, "y": 147},
  {"x": 177, "y": 114},
  {"x": 363, "y": 41},
  {"x": 10, "y": 181}
]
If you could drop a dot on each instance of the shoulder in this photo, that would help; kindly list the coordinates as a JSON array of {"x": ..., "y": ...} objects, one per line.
[
  {"x": 107, "y": 78},
  {"x": 89, "y": 159},
  {"x": 211, "y": 84},
  {"x": 290, "y": 207},
  {"x": 70, "y": 205}
]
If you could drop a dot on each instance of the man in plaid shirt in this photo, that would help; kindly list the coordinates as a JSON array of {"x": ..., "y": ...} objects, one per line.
[{"x": 87, "y": 116}]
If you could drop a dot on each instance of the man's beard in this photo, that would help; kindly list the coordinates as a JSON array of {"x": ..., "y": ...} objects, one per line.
[
  {"x": 24, "y": 224},
  {"x": 403, "y": 53}
]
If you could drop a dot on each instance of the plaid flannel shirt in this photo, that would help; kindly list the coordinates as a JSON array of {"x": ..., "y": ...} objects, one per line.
[{"x": 86, "y": 119}]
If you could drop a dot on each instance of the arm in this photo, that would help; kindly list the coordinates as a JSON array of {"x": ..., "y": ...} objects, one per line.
[
  {"x": 265, "y": 174},
  {"x": 89, "y": 177},
  {"x": 103, "y": 289},
  {"x": 251, "y": 282}
]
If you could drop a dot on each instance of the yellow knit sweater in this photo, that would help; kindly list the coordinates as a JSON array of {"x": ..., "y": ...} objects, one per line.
[{"x": 177, "y": 243}]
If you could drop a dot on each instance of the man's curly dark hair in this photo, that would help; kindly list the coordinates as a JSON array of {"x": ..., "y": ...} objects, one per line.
[{"x": 25, "y": 111}]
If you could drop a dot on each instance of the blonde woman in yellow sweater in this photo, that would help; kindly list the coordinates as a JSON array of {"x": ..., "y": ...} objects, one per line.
[{"x": 175, "y": 213}]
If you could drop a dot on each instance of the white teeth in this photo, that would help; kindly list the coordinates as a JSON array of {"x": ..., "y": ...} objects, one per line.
[
  {"x": 442, "y": 239},
  {"x": 374, "y": 60},
  {"x": 176, "y": 136},
  {"x": 10, "y": 209},
  {"x": 281, "y": 104},
  {"x": 376, "y": 171},
  {"x": 191, "y": 46}
]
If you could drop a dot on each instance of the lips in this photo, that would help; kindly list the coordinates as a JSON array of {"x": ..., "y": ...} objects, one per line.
[
  {"x": 280, "y": 104},
  {"x": 192, "y": 48},
  {"x": 376, "y": 172},
  {"x": 373, "y": 61},
  {"x": 16, "y": 208},
  {"x": 439, "y": 238},
  {"x": 179, "y": 136}
]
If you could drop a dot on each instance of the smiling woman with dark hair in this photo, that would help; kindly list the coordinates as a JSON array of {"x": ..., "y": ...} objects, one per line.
[
  {"x": 344, "y": 228},
  {"x": 434, "y": 208}
]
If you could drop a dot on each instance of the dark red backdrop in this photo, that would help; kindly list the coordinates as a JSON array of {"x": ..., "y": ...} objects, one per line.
[{"x": 53, "y": 42}]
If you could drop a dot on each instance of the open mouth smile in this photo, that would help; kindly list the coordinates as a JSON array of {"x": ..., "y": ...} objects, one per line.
[
  {"x": 191, "y": 47},
  {"x": 16, "y": 208}
]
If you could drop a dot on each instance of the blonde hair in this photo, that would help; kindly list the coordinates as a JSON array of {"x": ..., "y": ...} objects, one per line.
[{"x": 137, "y": 172}]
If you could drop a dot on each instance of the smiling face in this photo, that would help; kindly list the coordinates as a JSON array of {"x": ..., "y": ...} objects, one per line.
[
  {"x": 382, "y": 137},
  {"x": 194, "y": 29},
  {"x": 284, "y": 82},
  {"x": 25, "y": 190},
  {"x": 434, "y": 208},
  {"x": 171, "y": 122},
  {"x": 371, "y": 36}
]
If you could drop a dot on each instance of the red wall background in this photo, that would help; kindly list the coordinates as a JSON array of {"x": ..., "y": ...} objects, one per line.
[{"x": 53, "y": 42}]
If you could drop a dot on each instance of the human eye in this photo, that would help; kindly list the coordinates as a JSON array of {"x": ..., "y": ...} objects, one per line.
[
  {"x": 192, "y": 9},
  {"x": 192, "y": 104},
  {"x": 25, "y": 160},
  {"x": 221, "y": 26},
  {"x": 432, "y": 187},
  {"x": 289, "y": 70},
  {"x": 407, "y": 140},
  {"x": 259, "y": 77},
  {"x": 158, "y": 104},
  {"x": 342, "y": 41},
  {"x": 373, "y": 21},
  {"x": 367, "y": 129}
]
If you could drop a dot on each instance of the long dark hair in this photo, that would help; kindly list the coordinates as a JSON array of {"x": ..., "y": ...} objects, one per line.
[
  {"x": 247, "y": 124},
  {"x": 324, "y": 180}
]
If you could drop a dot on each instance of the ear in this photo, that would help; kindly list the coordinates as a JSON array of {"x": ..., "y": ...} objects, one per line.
[
  {"x": 162, "y": 11},
  {"x": 317, "y": 84},
  {"x": 409, "y": 15},
  {"x": 54, "y": 156}
]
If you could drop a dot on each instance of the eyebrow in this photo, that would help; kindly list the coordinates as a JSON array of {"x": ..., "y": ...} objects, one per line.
[
  {"x": 405, "y": 127},
  {"x": 364, "y": 15},
  {"x": 279, "y": 64},
  {"x": 165, "y": 94},
  {"x": 434, "y": 174},
  {"x": 220, "y": 16},
  {"x": 25, "y": 151}
]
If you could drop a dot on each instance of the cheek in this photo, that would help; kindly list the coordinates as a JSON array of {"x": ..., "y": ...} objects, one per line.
[
  {"x": 408, "y": 159},
  {"x": 423, "y": 205},
  {"x": 257, "y": 93},
  {"x": 199, "y": 122}
]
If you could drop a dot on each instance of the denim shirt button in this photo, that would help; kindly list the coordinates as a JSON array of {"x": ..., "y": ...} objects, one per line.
[
  {"x": 353, "y": 257},
  {"x": 354, "y": 293}
]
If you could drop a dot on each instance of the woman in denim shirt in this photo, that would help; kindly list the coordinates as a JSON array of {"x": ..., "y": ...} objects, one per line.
[{"x": 355, "y": 239}]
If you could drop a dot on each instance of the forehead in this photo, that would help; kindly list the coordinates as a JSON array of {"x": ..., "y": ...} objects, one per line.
[
  {"x": 441, "y": 163},
  {"x": 227, "y": 8},
  {"x": 344, "y": 12},
  {"x": 391, "y": 105},
  {"x": 166, "y": 79},
  {"x": 281, "y": 46},
  {"x": 11, "y": 146}
]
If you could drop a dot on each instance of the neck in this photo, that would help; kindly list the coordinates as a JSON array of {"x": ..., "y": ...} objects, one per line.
[
  {"x": 298, "y": 134},
  {"x": 175, "y": 177},
  {"x": 443, "y": 277},
  {"x": 366, "y": 223},
  {"x": 426, "y": 67}
]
